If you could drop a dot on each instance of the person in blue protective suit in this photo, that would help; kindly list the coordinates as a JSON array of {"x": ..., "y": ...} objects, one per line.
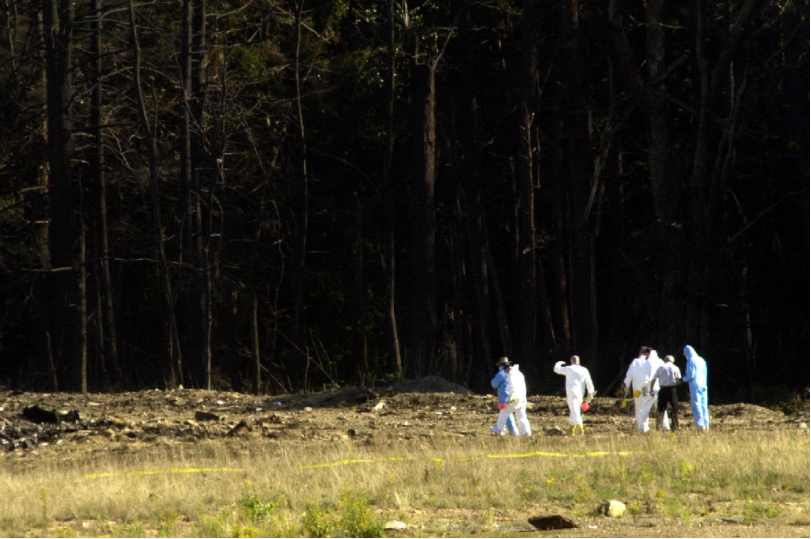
[
  {"x": 516, "y": 402},
  {"x": 499, "y": 383},
  {"x": 695, "y": 374}
]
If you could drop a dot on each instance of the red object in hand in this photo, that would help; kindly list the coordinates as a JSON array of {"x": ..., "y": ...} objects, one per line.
[
  {"x": 584, "y": 407},
  {"x": 502, "y": 406}
]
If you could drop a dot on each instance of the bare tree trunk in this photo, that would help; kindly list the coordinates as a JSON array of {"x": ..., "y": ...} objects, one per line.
[
  {"x": 106, "y": 314},
  {"x": 173, "y": 351},
  {"x": 388, "y": 186},
  {"x": 468, "y": 166},
  {"x": 66, "y": 233},
  {"x": 359, "y": 282},
  {"x": 560, "y": 210},
  {"x": 423, "y": 323},
  {"x": 256, "y": 357},
  {"x": 578, "y": 129},
  {"x": 301, "y": 220},
  {"x": 525, "y": 319},
  {"x": 501, "y": 311}
]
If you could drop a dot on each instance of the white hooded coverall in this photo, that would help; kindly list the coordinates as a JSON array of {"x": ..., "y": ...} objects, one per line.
[
  {"x": 576, "y": 377},
  {"x": 638, "y": 378},
  {"x": 649, "y": 369},
  {"x": 516, "y": 402}
]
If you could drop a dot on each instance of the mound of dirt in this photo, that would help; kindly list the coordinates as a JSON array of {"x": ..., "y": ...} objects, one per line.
[{"x": 430, "y": 384}]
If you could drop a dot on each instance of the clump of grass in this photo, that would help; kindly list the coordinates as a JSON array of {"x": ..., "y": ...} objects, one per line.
[{"x": 351, "y": 518}]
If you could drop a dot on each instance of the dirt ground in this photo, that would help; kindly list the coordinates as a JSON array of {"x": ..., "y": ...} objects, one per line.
[{"x": 427, "y": 408}]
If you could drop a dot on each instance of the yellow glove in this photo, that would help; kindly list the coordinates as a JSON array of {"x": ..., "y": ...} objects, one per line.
[
  {"x": 637, "y": 393},
  {"x": 624, "y": 403},
  {"x": 512, "y": 399}
]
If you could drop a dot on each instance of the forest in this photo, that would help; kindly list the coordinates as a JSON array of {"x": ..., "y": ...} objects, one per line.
[{"x": 284, "y": 195}]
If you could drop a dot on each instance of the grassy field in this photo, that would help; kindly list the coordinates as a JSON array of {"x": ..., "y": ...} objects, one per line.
[{"x": 747, "y": 483}]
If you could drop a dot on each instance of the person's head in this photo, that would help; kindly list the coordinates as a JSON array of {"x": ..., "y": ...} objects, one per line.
[
  {"x": 670, "y": 358},
  {"x": 502, "y": 363},
  {"x": 575, "y": 360},
  {"x": 643, "y": 350}
]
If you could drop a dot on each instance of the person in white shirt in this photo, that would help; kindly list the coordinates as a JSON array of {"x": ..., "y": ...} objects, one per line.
[
  {"x": 650, "y": 388},
  {"x": 576, "y": 378},
  {"x": 516, "y": 402},
  {"x": 668, "y": 376}
]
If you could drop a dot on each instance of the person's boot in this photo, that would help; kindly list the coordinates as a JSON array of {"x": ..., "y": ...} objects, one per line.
[
  {"x": 573, "y": 427},
  {"x": 582, "y": 432}
]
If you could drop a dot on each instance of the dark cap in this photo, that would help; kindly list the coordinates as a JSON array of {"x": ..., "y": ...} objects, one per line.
[{"x": 502, "y": 362}]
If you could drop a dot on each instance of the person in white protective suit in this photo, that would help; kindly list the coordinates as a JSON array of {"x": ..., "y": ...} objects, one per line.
[
  {"x": 516, "y": 402},
  {"x": 650, "y": 390},
  {"x": 576, "y": 378},
  {"x": 634, "y": 384}
]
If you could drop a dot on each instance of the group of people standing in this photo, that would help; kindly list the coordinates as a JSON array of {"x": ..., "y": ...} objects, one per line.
[{"x": 651, "y": 380}]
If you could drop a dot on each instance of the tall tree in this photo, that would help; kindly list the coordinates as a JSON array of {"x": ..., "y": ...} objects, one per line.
[
  {"x": 68, "y": 275},
  {"x": 525, "y": 321},
  {"x": 101, "y": 247},
  {"x": 577, "y": 120}
]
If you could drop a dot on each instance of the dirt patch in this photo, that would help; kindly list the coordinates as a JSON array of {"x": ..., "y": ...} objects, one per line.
[{"x": 428, "y": 408}]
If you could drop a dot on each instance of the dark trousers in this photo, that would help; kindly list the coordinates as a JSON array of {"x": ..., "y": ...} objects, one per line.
[{"x": 668, "y": 395}]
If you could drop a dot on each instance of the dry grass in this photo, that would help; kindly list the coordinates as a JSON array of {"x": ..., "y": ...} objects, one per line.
[{"x": 672, "y": 486}]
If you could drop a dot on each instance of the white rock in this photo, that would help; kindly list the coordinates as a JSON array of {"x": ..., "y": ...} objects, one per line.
[
  {"x": 395, "y": 525},
  {"x": 613, "y": 508}
]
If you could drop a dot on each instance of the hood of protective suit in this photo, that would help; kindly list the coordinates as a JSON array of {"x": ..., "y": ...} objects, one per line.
[
  {"x": 516, "y": 384},
  {"x": 690, "y": 353}
]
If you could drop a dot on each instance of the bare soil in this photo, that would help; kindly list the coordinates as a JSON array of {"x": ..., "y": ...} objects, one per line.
[{"x": 427, "y": 408}]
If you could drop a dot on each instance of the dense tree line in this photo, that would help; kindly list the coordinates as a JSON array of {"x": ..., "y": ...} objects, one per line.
[{"x": 280, "y": 194}]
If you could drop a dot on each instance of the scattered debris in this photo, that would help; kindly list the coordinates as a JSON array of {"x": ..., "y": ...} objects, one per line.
[
  {"x": 553, "y": 522},
  {"x": 201, "y": 415},
  {"x": 241, "y": 428},
  {"x": 612, "y": 508},
  {"x": 553, "y": 431},
  {"x": 729, "y": 520}
]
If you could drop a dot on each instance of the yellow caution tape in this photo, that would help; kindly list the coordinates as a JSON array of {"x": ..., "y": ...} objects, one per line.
[
  {"x": 437, "y": 460},
  {"x": 355, "y": 461},
  {"x": 167, "y": 471}
]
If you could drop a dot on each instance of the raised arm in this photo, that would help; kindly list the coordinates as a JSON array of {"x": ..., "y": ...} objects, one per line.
[{"x": 559, "y": 368}]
